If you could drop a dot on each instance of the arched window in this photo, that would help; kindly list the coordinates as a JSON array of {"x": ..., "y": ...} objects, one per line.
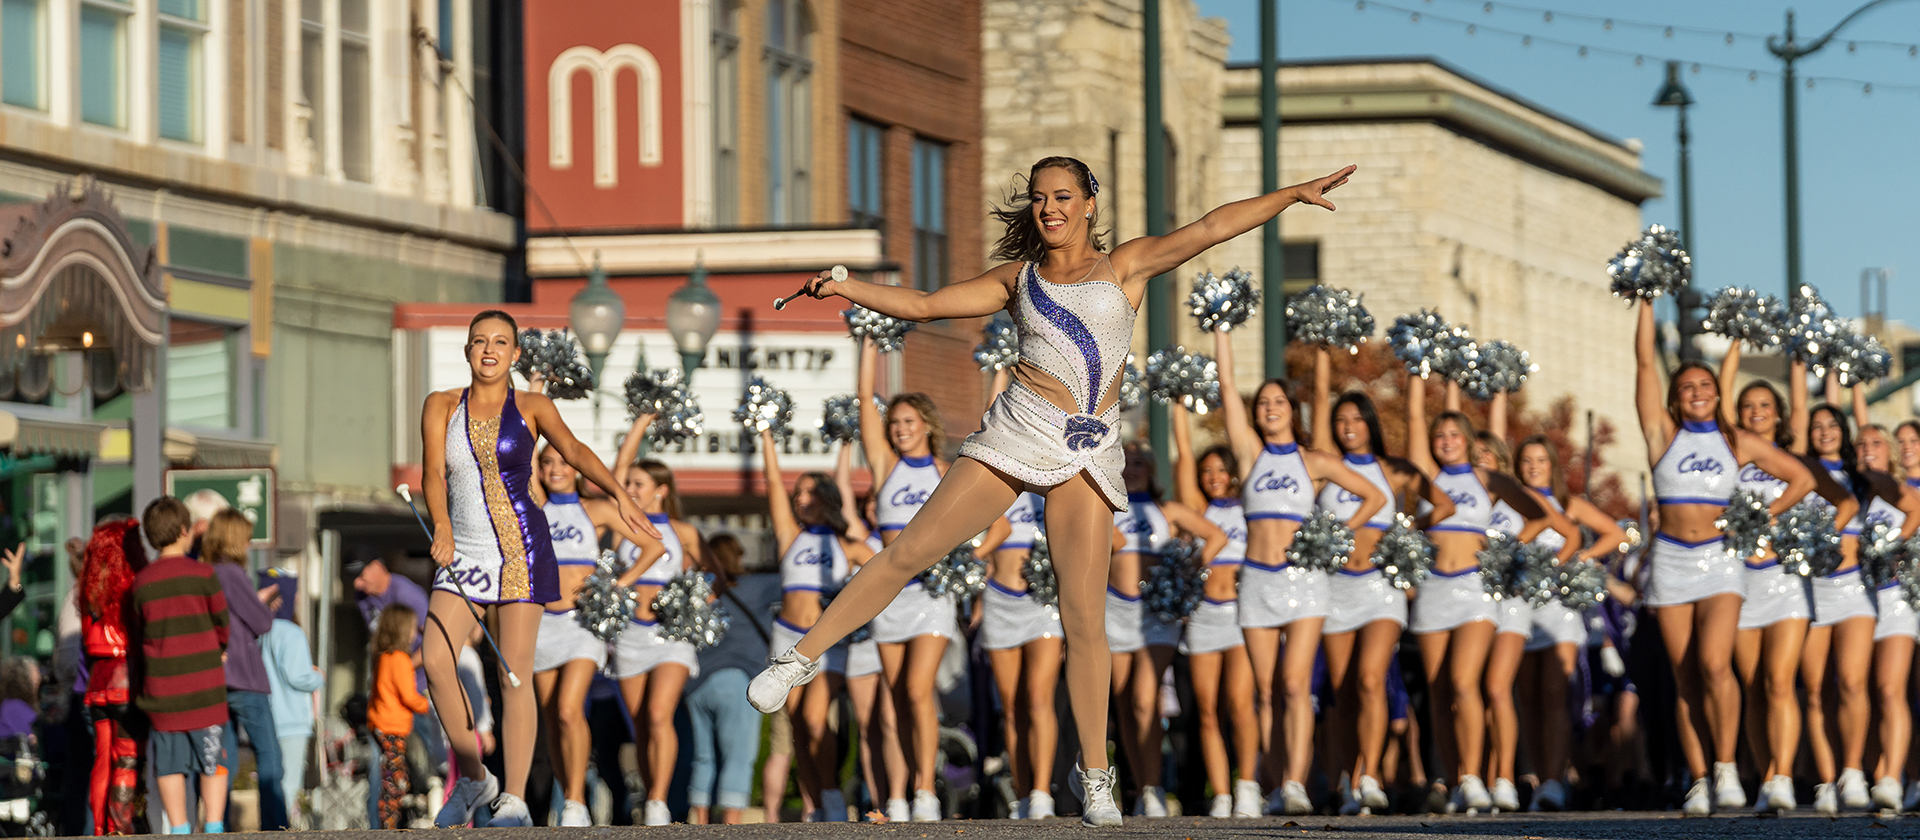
[{"x": 789, "y": 112}]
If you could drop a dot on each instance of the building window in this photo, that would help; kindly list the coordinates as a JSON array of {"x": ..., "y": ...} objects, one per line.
[
  {"x": 726, "y": 112},
  {"x": 356, "y": 141},
  {"x": 929, "y": 214},
  {"x": 200, "y": 371},
  {"x": 103, "y": 70},
  {"x": 865, "y": 196},
  {"x": 23, "y": 38},
  {"x": 789, "y": 113},
  {"x": 178, "y": 59},
  {"x": 1300, "y": 265},
  {"x": 313, "y": 79}
]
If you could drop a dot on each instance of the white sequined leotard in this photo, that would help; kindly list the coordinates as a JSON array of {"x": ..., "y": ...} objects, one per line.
[{"x": 1077, "y": 334}]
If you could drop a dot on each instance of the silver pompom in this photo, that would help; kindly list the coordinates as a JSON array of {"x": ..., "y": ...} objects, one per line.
[
  {"x": 959, "y": 575},
  {"x": 889, "y": 334},
  {"x": 1532, "y": 575},
  {"x": 1811, "y": 331},
  {"x": 664, "y": 394},
  {"x": 1175, "y": 585},
  {"x": 602, "y": 605},
  {"x": 1492, "y": 368},
  {"x": 1858, "y": 358},
  {"x": 1580, "y": 584},
  {"x": 1744, "y": 315},
  {"x": 1907, "y": 573},
  {"x": 840, "y": 419},
  {"x": 684, "y": 608},
  {"x": 999, "y": 346},
  {"x": 1322, "y": 544},
  {"x": 1133, "y": 389},
  {"x": 1496, "y": 564},
  {"x": 1881, "y": 552},
  {"x": 555, "y": 357},
  {"x": 1806, "y": 541},
  {"x": 1650, "y": 266},
  {"x": 1404, "y": 554},
  {"x": 1191, "y": 379},
  {"x": 1042, "y": 583},
  {"x": 1334, "y": 317},
  {"x": 1632, "y": 536},
  {"x": 1748, "y": 524},
  {"x": 1426, "y": 343},
  {"x": 765, "y": 408},
  {"x": 1224, "y": 302}
]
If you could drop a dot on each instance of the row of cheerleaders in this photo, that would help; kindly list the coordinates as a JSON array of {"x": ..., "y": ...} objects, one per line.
[{"x": 1288, "y": 568}]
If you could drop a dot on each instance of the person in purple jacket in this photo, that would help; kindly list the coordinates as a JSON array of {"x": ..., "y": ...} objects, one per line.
[{"x": 224, "y": 546}]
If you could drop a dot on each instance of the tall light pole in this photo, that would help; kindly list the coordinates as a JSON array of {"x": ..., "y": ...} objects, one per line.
[
  {"x": 1273, "y": 260},
  {"x": 1674, "y": 95},
  {"x": 1789, "y": 50},
  {"x": 1158, "y": 306}
]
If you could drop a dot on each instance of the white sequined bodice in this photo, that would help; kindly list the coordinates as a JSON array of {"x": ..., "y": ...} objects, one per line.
[
  {"x": 575, "y": 541},
  {"x": 1143, "y": 525},
  {"x": 1077, "y": 333},
  {"x": 1342, "y": 502},
  {"x": 1550, "y": 538},
  {"x": 1027, "y": 516},
  {"x": 669, "y": 564},
  {"x": 1698, "y": 467}
]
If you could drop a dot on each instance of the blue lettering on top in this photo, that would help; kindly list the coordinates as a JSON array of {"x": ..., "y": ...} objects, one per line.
[
  {"x": 566, "y": 533},
  {"x": 1463, "y": 499},
  {"x": 1499, "y": 518},
  {"x": 908, "y": 497},
  {"x": 1268, "y": 483},
  {"x": 1023, "y": 516},
  {"x": 1754, "y": 475},
  {"x": 1873, "y": 516},
  {"x": 1694, "y": 462},
  {"x": 811, "y": 557}
]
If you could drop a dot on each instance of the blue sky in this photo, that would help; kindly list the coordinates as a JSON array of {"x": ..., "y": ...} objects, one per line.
[{"x": 1859, "y": 151}]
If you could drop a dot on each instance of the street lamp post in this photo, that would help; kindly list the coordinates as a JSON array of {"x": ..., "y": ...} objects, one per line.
[
  {"x": 693, "y": 316},
  {"x": 596, "y": 314},
  {"x": 1674, "y": 95},
  {"x": 1789, "y": 50}
]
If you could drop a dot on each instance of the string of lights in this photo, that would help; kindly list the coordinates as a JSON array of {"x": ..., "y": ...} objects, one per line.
[
  {"x": 1609, "y": 23},
  {"x": 1639, "y": 57}
]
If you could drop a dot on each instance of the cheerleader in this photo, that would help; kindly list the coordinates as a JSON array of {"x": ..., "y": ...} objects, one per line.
[
  {"x": 1452, "y": 615},
  {"x": 913, "y": 631},
  {"x": 568, "y": 654},
  {"x": 1366, "y": 612},
  {"x": 1558, "y": 636},
  {"x": 1697, "y": 585},
  {"x": 873, "y": 711},
  {"x": 1279, "y": 482},
  {"x": 1024, "y": 642},
  {"x": 1907, "y": 437},
  {"x": 819, "y": 546},
  {"x": 1896, "y": 626},
  {"x": 1142, "y": 644},
  {"x": 1216, "y": 651},
  {"x": 493, "y": 544}
]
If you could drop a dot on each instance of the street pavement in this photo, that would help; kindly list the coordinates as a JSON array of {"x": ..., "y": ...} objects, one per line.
[{"x": 1581, "y": 826}]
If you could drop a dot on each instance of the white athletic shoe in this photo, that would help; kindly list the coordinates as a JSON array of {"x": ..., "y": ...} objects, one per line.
[
  {"x": 1039, "y": 805},
  {"x": 1886, "y": 794},
  {"x": 1551, "y": 795},
  {"x": 1222, "y": 808},
  {"x": 1825, "y": 800},
  {"x": 926, "y": 806},
  {"x": 1778, "y": 795},
  {"x": 655, "y": 812},
  {"x": 1727, "y": 793},
  {"x": 1152, "y": 802},
  {"x": 468, "y": 794},
  {"x": 769, "y": 689},
  {"x": 575, "y": 815},
  {"x": 899, "y": 811},
  {"x": 1372, "y": 796},
  {"x": 1506, "y": 797},
  {"x": 1246, "y": 799},
  {"x": 1474, "y": 793},
  {"x": 509, "y": 811},
  {"x": 1853, "y": 790},
  {"x": 1094, "y": 789},
  {"x": 1699, "y": 800},
  {"x": 1294, "y": 800}
]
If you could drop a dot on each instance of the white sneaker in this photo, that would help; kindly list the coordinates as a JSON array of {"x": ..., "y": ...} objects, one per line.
[
  {"x": 769, "y": 689},
  {"x": 467, "y": 795},
  {"x": 509, "y": 811},
  {"x": 1152, "y": 803},
  {"x": 1727, "y": 793},
  {"x": 1039, "y": 805},
  {"x": 575, "y": 815},
  {"x": 1699, "y": 800},
  {"x": 1853, "y": 789},
  {"x": 1825, "y": 800},
  {"x": 1551, "y": 795},
  {"x": 1246, "y": 799},
  {"x": 1222, "y": 806},
  {"x": 834, "y": 805},
  {"x": 1094, "y": 789},
  {"x": 1474, "y": 793},
  {"x": 1506, "y": 797},
  {"x": 1778, "y": 793},
  {"x": 898, "y": 811},
  {"x": 1294, "y": 800},
  {"x": 1372, "y": 796},
  {"x": 655, "y": 813},
  {"x": 1886, "y": 794},
  {"x": 926, "y": 806}
]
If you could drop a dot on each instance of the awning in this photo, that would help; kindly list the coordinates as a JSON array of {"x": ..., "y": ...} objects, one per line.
[
  {"x": 65, "y": 438},
  {"x": 189, "y": 449}
]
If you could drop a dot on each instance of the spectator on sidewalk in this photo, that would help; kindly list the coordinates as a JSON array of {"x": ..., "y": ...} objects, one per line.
[
  {"x": 223, "y": 545},
  {"x": 292, "y": 680},
  {"x": 182, "y": 617}
]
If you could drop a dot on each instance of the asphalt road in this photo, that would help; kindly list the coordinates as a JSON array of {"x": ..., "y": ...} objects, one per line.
[{"x": 1582, "y": 826}]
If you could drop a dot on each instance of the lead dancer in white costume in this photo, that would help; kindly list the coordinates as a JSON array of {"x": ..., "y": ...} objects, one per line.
[{"x": 1056, "y": 430}]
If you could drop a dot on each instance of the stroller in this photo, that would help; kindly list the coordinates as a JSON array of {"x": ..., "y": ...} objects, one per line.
[{"x": 23, "y": 777}]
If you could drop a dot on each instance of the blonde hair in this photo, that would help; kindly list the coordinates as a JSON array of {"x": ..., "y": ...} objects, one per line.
[
  {"x": 929, "y": 414},
  {"x": 227, "y": 536}
]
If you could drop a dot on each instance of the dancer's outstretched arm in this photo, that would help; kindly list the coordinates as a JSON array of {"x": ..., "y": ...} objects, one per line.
[{"x": 1138, "y": 260}]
